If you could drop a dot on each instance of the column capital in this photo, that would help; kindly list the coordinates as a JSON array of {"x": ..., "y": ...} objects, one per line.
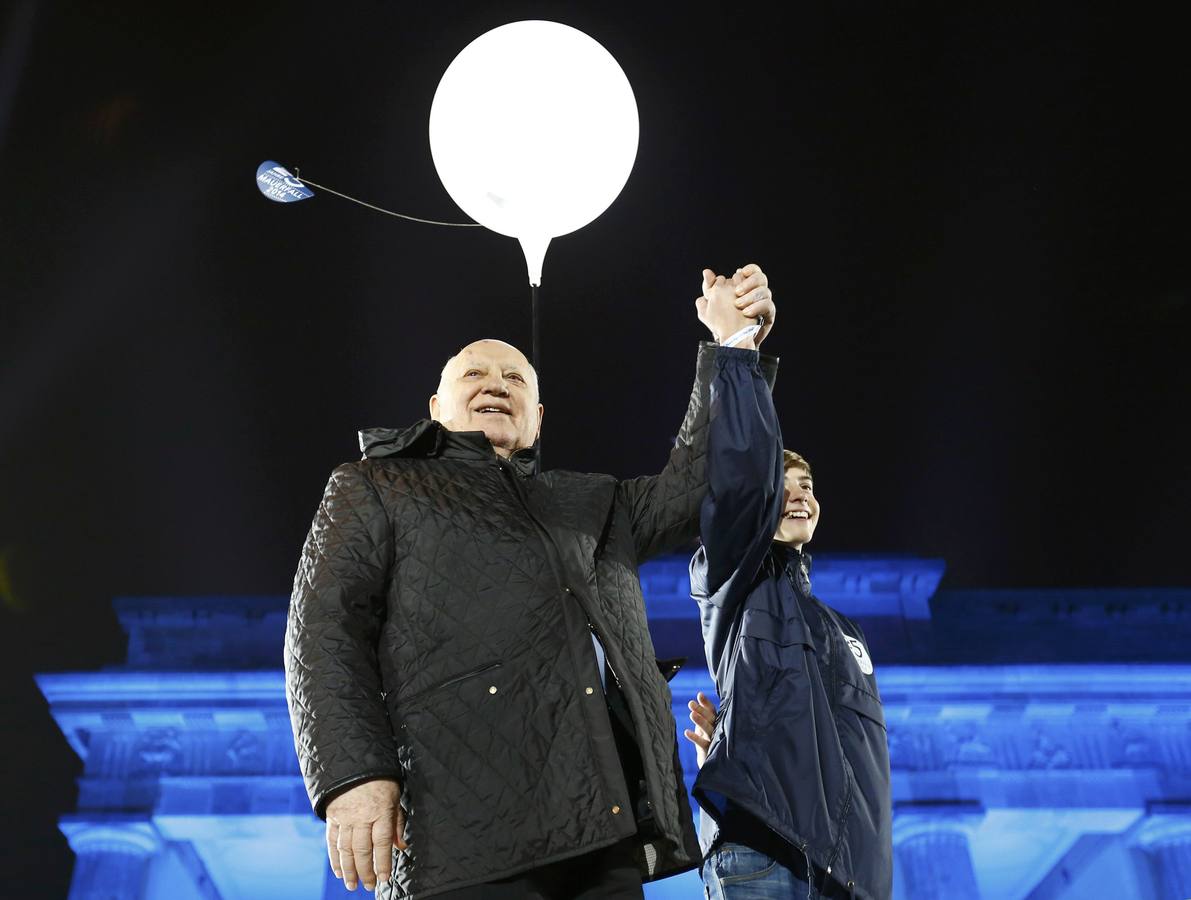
[
  {"x": 912, "y": 822},
  {"x": 934, "y": 856},
  {"x": 136, "y": 836},
  {"x": 1163, "y": 830}
]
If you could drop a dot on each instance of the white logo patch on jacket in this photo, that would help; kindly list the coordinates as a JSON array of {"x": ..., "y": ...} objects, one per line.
[{"x": 862, "y": 658}]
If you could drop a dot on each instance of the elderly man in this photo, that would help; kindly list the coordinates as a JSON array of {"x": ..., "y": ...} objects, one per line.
[{"x": 469, "y": 669}]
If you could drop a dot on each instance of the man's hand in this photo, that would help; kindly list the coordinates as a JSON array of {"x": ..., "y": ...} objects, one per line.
[
  {"x": 718, "y": 311},
  {"x": 364, "y": 823},
  {"x": 729, "y": 304},
  {"x": 703, "y": 713},
  {"x": 754, "y": 298}
]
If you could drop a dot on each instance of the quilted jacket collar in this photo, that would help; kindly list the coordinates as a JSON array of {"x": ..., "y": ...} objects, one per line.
[{"x": 427, "y": 439}]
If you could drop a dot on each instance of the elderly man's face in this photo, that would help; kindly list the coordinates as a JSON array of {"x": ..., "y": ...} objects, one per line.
[{"x": 490, "y": 387}]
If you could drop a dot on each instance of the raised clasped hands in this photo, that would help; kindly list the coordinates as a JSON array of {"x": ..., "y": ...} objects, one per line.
[{"x": 729, "y": 304}]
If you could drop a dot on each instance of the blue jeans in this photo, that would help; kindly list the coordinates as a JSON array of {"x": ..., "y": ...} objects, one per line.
[{"x": 736, "y": 872}]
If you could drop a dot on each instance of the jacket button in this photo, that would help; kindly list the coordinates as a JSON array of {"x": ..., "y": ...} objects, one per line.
[
  {"x": 492, "y": 690},
  {"x": 589, "y": 690},
  {"x": 616, "y": 810}
]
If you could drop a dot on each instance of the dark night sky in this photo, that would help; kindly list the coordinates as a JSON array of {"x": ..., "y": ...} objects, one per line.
[{"x": 975, "y": 225}]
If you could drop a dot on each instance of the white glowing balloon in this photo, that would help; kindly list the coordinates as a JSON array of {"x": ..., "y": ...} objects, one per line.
[{"x": 533, "y": 131}]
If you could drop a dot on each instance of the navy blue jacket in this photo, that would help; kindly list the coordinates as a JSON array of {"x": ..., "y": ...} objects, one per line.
[{"x": 800, "y": 739}]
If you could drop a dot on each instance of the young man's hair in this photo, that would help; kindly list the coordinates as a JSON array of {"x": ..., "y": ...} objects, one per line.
[{"x": 792, "y": 460}]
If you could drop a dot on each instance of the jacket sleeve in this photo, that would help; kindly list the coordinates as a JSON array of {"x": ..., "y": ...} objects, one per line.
[
  {"x": 664, "y": 508},
  {"x": 332, "y": 679},
  {"x": 745, "y": 480}
]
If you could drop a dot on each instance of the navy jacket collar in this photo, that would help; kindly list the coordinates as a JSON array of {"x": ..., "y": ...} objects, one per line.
[{"x": 795, "y": 562}]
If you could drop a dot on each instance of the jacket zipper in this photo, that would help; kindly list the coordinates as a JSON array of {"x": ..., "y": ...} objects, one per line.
[
  {"x": 546, "y": 539},
  {"x": 833, "y": 704}
]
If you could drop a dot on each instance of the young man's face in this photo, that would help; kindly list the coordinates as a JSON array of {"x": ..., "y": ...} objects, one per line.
[{"x": 800, "y": 512}]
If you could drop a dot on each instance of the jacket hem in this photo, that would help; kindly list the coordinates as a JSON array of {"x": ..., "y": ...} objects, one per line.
[
  {"x": 818, "y": 856},
  {"x": 536, "y": 864}
]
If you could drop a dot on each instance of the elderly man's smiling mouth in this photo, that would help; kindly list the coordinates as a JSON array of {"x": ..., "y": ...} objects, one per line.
[{"x": 490, "y": 409}]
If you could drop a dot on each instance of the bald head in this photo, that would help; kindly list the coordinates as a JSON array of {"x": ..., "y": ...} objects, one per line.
[
  {"x": 478, "y": 348},
  {"x": 490, "y": 386}
]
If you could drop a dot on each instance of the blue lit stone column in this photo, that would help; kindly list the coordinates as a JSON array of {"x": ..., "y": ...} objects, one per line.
[
  {"x": 1166, "y": 840},
  {"x": 112, "y": 858},
  {"x": 933, "y": 857}
]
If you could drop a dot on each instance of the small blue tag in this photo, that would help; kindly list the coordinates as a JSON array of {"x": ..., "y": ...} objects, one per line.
[{"x": 278, "y": 184}]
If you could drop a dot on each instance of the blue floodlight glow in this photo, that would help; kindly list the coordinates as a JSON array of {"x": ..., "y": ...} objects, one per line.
[{"x": 1062, "y": 781}]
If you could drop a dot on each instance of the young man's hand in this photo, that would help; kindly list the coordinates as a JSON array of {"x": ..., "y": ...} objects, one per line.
[
  {"x": 703, "y": 713},
  {"x": 730, "y": 304}
]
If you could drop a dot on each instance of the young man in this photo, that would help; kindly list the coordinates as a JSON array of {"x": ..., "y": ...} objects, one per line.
[{"x": 795, "y": 786}]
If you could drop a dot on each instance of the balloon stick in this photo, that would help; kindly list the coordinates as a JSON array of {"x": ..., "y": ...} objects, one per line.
[{"x": 537, "y": 353}]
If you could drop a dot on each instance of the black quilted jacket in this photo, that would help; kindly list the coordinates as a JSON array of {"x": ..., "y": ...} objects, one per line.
[{"x": 440, "y": 634}]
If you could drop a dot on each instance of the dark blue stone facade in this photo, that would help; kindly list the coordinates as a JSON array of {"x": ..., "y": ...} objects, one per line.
[{"x": 1040, "y": 741}]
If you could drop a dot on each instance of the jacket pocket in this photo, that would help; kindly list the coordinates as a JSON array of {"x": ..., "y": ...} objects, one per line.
[
  {"x": 861, "y": 702},
  {"x": 452, "y": 680},
  {"x": 738, "y": 864},
  {"x": 776, "y": 642}
]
